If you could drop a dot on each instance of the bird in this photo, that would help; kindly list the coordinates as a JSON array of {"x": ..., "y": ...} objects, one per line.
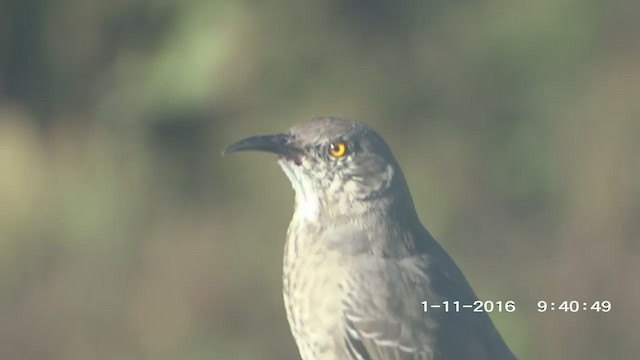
[{"x": 358, "y": 263}]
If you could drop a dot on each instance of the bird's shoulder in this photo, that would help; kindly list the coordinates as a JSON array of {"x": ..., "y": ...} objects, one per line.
[{"x": 384, "y": 316}]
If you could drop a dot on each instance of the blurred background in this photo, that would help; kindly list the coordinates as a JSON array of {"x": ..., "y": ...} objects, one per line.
[{"x": 124, "y": 234}]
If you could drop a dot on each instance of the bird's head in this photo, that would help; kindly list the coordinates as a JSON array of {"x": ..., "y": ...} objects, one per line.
[{"x": 336, "y": 167}]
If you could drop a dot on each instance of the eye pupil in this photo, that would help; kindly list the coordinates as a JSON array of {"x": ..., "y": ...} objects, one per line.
[{"x": 338, "y": 149}]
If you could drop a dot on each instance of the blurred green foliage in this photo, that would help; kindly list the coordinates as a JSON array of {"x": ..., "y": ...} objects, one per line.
[{"x": 125, "y": 235}]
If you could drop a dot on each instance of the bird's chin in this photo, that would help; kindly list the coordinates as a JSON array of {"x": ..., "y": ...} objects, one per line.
[{"x": 290, "y": 160}]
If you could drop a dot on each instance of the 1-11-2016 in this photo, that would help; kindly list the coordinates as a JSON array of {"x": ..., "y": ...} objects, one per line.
[{"x": 476, "y": 306}]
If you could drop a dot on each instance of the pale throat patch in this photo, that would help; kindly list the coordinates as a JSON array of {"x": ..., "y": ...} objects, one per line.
[{"x": 307, "y": 204}]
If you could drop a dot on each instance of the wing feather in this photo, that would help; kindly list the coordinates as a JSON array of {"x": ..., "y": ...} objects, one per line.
[{"x": 384, "y": 318}]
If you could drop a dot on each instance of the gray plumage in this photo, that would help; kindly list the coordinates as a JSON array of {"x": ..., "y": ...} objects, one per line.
[{"x": 358, "y": 262}]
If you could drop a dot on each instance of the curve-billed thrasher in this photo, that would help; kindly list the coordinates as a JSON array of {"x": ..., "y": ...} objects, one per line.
[{"x": 357, "y": 261}]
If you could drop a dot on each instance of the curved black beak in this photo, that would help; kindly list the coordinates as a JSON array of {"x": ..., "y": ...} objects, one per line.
[{"x": 280, "y": 144}]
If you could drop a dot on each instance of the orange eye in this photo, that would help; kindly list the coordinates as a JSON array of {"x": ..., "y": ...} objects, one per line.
[{"x": 338, "y": 149}]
